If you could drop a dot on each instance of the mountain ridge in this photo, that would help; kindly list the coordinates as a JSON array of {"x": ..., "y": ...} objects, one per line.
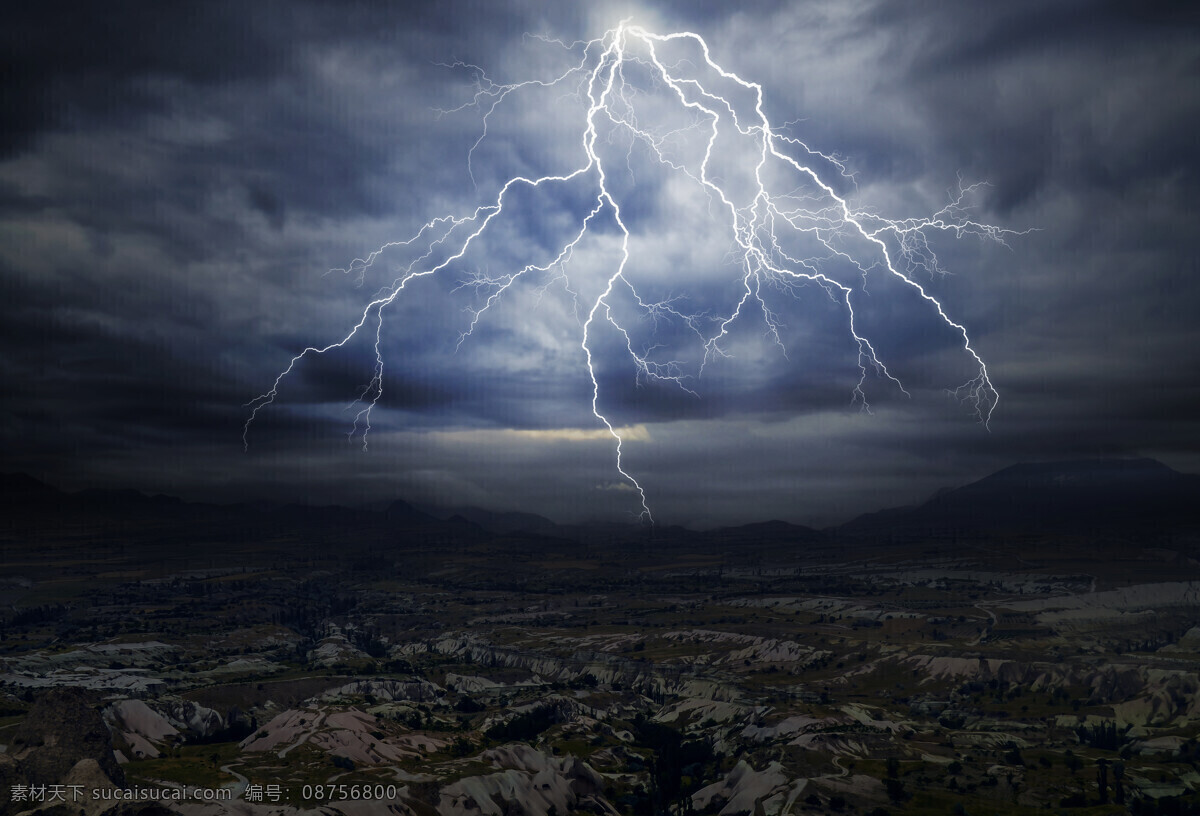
[{"x": 1080, "y": 495}]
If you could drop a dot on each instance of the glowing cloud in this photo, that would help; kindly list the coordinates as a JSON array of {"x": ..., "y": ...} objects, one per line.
[{"x": 656, "y": 109}]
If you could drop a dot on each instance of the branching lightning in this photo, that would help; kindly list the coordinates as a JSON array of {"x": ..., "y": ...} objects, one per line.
[{"x": 764, "y": 225}]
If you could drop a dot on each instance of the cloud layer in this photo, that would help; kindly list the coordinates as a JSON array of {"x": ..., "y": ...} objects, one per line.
[{"x": 176, "y": 184}]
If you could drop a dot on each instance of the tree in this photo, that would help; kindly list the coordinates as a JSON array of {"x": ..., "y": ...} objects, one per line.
[
  {"x": 895, "y": 790},
  {"x": 1102, "y": 779}
]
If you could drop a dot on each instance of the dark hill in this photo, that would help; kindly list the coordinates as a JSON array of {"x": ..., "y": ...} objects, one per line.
[
  {"x": 1112, "y": 497},
  {"x": 1104, "y": 496}
]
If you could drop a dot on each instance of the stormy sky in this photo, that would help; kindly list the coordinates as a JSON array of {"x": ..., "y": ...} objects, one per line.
[{"x": 182, "y": 184}]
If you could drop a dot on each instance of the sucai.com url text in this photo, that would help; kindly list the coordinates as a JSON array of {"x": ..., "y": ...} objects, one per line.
[{"x": 78, "y": 793}]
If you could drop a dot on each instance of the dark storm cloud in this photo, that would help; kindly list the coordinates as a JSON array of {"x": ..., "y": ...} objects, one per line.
[
  {"x": 1021, "y": 92},
  {"x": 67, "y": 63},
  {"x": 964, "y": 37},
  {"x": 176, "y": 178}
]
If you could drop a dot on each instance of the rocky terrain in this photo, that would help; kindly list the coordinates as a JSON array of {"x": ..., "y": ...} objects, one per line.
[{"x": 158, "y": 657}]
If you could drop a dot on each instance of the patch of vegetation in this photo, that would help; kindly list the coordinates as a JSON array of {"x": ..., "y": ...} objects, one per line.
[{"x": 524, "y": 727}]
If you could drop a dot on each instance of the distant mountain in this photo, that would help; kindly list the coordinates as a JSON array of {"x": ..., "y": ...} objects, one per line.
[
  {"x": 27, "y": 504},
  {"x": 1125, "y": 497},
  {"x": 780, "y": 531},
  {"x": 1100, "y": 496},
  {"x": 496, "y": 521},
  {"x": 401, "y": 512},
  {"x": 21, "y": 494},
  {"x": 22, "y": 485}
]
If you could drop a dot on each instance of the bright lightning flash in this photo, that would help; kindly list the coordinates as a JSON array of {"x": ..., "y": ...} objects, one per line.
[{"x": 788, "y": 227}]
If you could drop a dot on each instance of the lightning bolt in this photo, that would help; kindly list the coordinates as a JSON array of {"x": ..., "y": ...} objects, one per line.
[{"x": 768, "y": 227}]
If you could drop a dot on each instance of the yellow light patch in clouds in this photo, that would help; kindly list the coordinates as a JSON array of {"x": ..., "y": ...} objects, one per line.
[{"x": 629, "y": 433}]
